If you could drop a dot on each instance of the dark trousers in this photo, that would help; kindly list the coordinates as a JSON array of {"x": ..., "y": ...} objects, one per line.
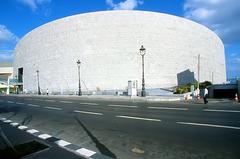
[{"x": 205, "y": 99}]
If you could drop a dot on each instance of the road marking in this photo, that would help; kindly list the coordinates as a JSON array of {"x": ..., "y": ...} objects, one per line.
[
  {"x": 222, "y": 110},
  {"x": 33, "y": 105},
  {"x": 62, "y": 101},
  {"x": 50, "y": 100},
  {"x": 2, "y": 119},
  {"x": 137, "y": 118},
  {"x": 22, "y": 127},
  {"x": 167, "y": 108},
  {"x": 62, "y": 143},
  {"x": 14, "y": 124},
  {"x": 20, "y": 103},
  {"x": 85, "y": 112},
  {"x": 10, "y": 101},
  {"x": 44, "y": 136},
  {"x": 7, "y": 121},
  {"x": 89, "y": 103},
  {"x": 123, "y": 106},
  {"x": 55, "y": 108},
  {"x": 209, "y": 125},
  {"x": 32, "y": 131},
  {"x": 85, "y": 152}
]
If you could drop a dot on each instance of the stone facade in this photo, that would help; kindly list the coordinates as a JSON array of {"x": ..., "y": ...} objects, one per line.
[{"x": 108, "y": 42}]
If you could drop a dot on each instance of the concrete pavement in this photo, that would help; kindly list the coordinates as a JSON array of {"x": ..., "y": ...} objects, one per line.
[{"x": 124, "y": 129}]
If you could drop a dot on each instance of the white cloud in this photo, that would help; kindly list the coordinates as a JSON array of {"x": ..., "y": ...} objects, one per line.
[
  {"x": 125, "y": 5},
  {"x": 6, "y": 55},
  {"x": 6, "y": 35},
  {"x": 222, "y": 16},
  {"x": 34, "y": 4}
]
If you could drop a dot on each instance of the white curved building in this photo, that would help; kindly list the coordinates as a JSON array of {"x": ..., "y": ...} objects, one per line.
[{"x": 108, "y": 42}]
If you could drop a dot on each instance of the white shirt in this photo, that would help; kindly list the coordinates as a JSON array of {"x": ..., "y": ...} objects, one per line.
[{"x": 205, "y": 91}]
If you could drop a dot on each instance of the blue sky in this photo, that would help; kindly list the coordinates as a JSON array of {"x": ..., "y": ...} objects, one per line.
[{"x": 18, "y": 17}]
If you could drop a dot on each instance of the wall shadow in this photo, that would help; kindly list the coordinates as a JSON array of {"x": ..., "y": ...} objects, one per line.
[{"x": 185, "y": 77}]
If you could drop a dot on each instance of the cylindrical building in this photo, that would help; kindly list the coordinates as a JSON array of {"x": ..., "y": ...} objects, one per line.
[{"x": 107, "y": 43}]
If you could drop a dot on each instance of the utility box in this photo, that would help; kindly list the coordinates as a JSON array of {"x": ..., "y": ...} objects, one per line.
[{"x": 132, "y": 88}]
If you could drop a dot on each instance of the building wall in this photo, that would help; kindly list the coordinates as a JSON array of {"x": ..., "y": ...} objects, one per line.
[{"x": 108, "y": 43}]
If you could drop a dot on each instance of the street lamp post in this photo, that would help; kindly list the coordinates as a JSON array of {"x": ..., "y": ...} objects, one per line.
[
  {"x": 142, "y": 53},
  {"x": 39, "y": 92},
  {"x": 79, "y": 79}
]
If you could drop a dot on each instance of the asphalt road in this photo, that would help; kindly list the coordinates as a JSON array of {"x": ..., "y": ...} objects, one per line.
[{"x": 133, "y": 130}]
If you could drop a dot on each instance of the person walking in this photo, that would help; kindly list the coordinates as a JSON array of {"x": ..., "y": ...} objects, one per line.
[{"x": 205, "y": 96}]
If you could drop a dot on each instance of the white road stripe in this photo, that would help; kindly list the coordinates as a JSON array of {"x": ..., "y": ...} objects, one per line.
[
  {"x": 55, "y": 108},
  {"x": 7, "y": 121},
  {"x": 89, "y": 103},
  {"x": 32, "y": 131},
  {"x": 33, "y": 105},
  {"x": 62, "y": 143},
  {"x": 65, "y": 101},
  {"x": 124, "y": 106},
  {"x": 20, "y": 103},
  {"x": 137, "y": 118},
  {"x": 44, "y": 136},
  {"x": 221, "y": 110},
  {"x": 50, "y": 100},
  {"x": 167, "y": 108},
  {"x": 14, "y": 124},
  {"x": 209, "y": 125},
  {"x": 10, "y": 101},
  {"x": 85, "y": 112},
  {"x": 85, "y": 152},
  {"x": 22, "y": 127},
  {"x": 2, "y": 119}
]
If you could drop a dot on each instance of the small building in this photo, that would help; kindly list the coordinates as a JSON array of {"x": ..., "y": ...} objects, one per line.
[{"x": 6, "y": 73}]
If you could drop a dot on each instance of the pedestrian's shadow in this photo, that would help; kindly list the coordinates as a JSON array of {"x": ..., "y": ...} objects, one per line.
[{"x": 102, "y": 148}]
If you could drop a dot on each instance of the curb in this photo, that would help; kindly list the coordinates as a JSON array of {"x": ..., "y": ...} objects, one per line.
[{"x": 83, "y": 152}]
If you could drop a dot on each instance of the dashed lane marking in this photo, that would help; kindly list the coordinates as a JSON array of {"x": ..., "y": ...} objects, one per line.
[
  {"x": 62, "y": 101},
  {"x": 14, "y": 124},
  {"x": 123, "y": 106},
  {"x": 89, "y": 103},
  {"x": 54, "y": 108},
  {"x": 62, "y": 143},
  {"x": 221, "y": 110},
  {"x": 167, "y": 108},
  {"x": 86, "y": 112},
  {"x": 20, "y": 103},
  {"x": 208, "y": 125},
  {"x": 137, "y": 118},
  {"x": 50, "y": 100},
  {"x": 32, "y": 131},
  {"x": 85, "y": 152},
  {"x": 33, "y": 105},
  {"x": 22, "y": 127},
  {"x": 10, "y": 101},
  {"x": 44, "y": 136}
]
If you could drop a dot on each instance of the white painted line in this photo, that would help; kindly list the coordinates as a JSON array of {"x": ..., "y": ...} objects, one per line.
[
  {"x": 32, "y": 131},
  {"x": 33, "y": 105},
  {"x": 209, "y": 125},
  {"x": 20, "y": 103},
  {"x": 44, "y": 136},
  {"x": 14, "y": 124},
  {"x": 22, "y": 127},
  {"x": 221, "y": 110},
  {"x": 167, "y": 108},
  {"x": 123, "y": 106},
  {"x": 10, "y": 101},
  {"x": 85, "y": 152},
  {"x": 137, "y": 118},
  {"x": 85, "y": 112},
  {"x": 50, "y": 100},
  {"x": 89, "y": 103},
  {"x": 54, "y": 108},
  {"x": 65, "y": 101},
  {"x": 7, "y": 121},
  {"x": 62, "y": 143},
  {"x": 3, "y": 119}
]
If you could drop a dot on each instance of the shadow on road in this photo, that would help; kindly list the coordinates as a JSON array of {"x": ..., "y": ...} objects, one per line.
[{"x": 102, "y": 148}]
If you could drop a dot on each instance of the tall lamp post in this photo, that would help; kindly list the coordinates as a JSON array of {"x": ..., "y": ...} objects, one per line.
[
  {"x": 142, "y": 53},
  {"x": 39, "y": 92},
  {"x": 79, "y": 79}
]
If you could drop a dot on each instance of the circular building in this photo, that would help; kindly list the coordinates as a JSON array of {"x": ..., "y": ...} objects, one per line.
[{"x": 107, "y": 43}]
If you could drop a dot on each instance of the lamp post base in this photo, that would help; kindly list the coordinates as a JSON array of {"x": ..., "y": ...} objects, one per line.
[{"x": 143, "y": 93}]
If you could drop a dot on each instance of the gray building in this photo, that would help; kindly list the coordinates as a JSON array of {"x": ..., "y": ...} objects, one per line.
[{"x": 107, "y": 43}]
